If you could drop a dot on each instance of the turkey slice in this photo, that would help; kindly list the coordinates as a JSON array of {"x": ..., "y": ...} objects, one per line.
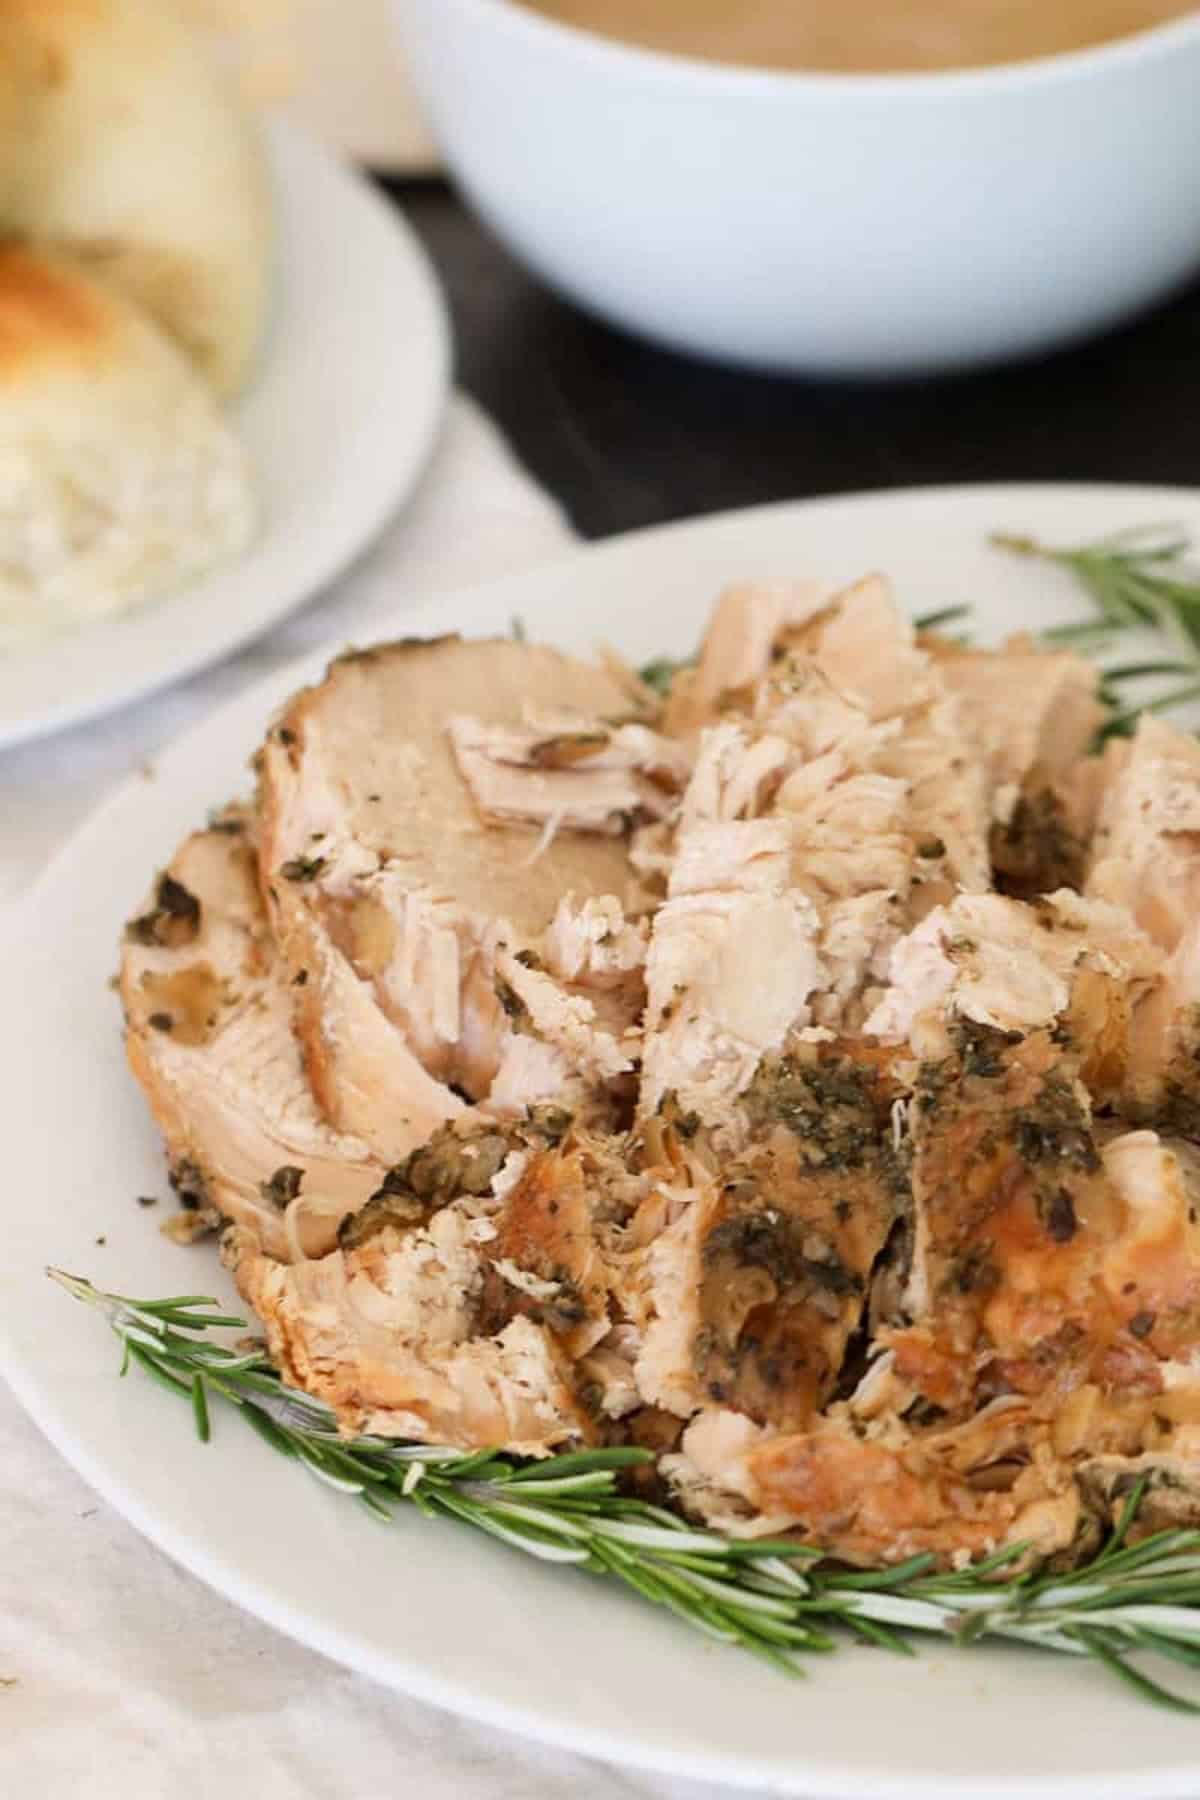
[{"x": 208, "y": 1013}]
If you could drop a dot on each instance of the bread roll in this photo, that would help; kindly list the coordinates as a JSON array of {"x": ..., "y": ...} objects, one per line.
[
  {"x": 119, "y": 480},
  {"x": 120, "y": 143}
]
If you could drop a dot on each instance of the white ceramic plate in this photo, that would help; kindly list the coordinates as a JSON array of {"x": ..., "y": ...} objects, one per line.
[
  {"x": 339, "y": 423},
  {"x": 425, "y": 1607}
]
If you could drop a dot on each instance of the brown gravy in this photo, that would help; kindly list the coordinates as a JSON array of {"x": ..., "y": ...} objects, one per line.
[{"x": 864, "y": 36}]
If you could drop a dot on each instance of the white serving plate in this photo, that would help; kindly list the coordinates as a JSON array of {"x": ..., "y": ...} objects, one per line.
[
  {"x": 338, "y": 422},
  {"x": 463, "y": 1623}
]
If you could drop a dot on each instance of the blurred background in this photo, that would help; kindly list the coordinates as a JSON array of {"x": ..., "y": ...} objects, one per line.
[
  {"x": 627, "y": 434},
  {"x": 347, "y": 85}
]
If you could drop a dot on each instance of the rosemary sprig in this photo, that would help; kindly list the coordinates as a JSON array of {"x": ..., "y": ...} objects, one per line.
[
  {"x": 1139, "y": 580},
  {"x": 775, "y": 1598},
  {"x": 566, "y": 1509}
]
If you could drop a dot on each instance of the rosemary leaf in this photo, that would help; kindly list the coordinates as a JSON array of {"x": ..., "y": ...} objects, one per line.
[
  {"x": 946, "y": 615},
  {"x": 200, "y": 1408},
  {"x": 1142, "y": 581},
  {"x": 660, "y": 673},
  {"x": 1102, "y": 1649}
]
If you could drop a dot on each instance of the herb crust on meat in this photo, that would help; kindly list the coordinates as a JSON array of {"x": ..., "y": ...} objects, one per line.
[{"x": 794, "y": 1068}]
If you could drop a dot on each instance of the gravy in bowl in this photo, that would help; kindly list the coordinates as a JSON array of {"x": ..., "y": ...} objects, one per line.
[{"x": 864, "y": 36}]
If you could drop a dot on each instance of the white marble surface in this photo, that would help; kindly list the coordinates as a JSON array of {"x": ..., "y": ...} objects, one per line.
[{"x": 121, "y": 1677}]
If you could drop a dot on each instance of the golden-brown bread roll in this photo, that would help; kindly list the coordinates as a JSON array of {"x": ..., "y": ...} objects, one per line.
[
  {"x": 119, "y": 479},
  {"x": 120, "y": 143}
]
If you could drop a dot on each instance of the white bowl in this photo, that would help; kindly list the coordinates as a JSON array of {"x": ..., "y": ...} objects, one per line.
[{"x": 867, "y": 224}]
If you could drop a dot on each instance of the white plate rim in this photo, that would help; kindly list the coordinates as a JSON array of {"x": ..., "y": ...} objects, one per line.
[
  {"x": 297, "y": 161},
  {"x": 830, "y": 1781}
]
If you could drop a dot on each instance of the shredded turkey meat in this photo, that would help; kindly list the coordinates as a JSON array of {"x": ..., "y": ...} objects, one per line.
[{"x": 798, "y": 1073}]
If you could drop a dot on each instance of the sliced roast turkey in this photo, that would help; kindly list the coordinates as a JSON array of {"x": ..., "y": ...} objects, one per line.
[
  {"x": 209, "y": 1036},
  {"x": 836, "y": 801},
  {"x": 468, "y": 1302},
  {"x": 1034, "y": 715},
  {"x": 445, "y": 863}
]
